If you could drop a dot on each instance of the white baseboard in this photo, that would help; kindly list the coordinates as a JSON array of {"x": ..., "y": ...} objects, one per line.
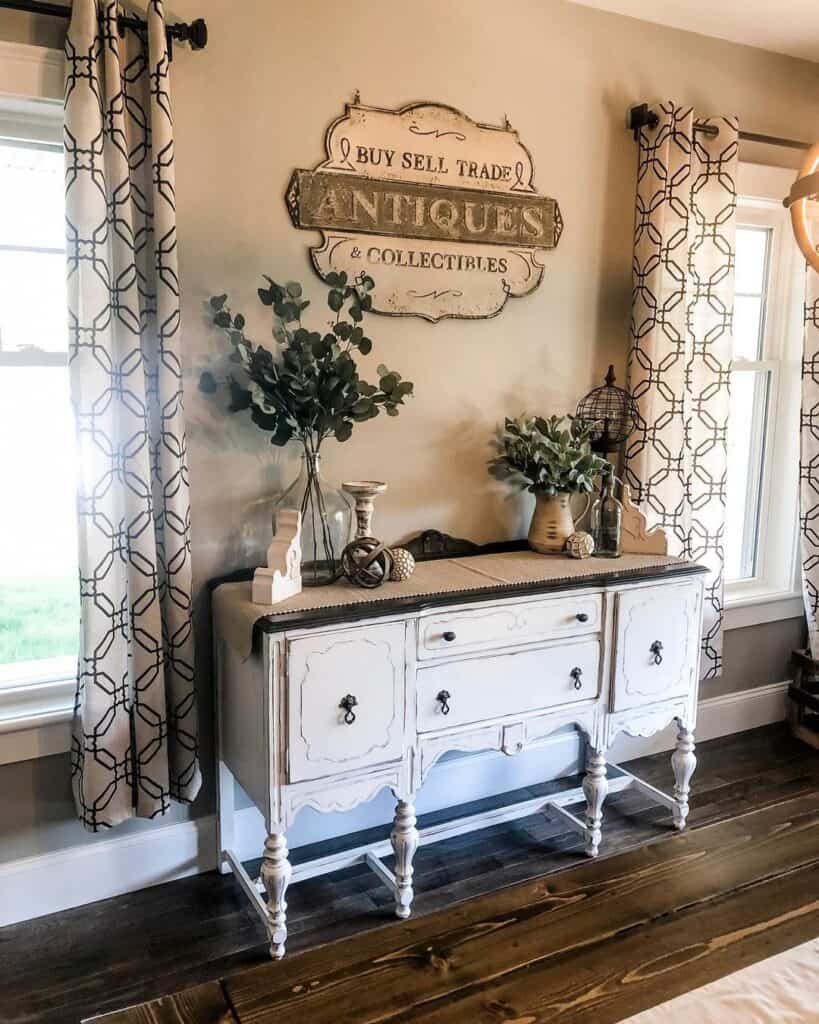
[
  {"x": 44, "y": 884},
  {"x": 97, "y": 870}
]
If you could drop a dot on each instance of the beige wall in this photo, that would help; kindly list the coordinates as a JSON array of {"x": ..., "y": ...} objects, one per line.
[
  {"x": 254, "y": 106},
  {"x": 36, "y": 30}
]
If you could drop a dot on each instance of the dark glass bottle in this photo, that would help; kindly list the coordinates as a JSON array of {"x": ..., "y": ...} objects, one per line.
[{"x": 607, "y": 519}]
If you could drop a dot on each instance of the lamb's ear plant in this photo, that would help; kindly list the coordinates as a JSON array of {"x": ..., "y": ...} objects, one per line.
[{"x": 546, "y": 457}]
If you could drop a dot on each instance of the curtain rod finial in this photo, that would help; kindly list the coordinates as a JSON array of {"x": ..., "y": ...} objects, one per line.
[{"x": 640, "y": 117}]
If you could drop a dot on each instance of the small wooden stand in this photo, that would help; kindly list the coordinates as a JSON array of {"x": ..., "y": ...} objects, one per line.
[
  {"x": 281, "y": 577},
  {"x": 635, "y": 538},
  {"x": 803, "y": 694}
]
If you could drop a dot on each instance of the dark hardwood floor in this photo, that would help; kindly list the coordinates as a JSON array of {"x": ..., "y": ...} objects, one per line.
[{"x": 119, "y": 952}]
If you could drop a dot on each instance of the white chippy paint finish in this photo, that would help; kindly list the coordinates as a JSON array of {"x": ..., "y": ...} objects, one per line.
[
  {"x": 280, "y": 578},
  {"x": 588, "y": 663}
]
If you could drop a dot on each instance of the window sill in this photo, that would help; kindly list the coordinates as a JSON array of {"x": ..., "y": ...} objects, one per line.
[
  {"x": 753, "y": 608},
  {"x": 36, "y": 706}
]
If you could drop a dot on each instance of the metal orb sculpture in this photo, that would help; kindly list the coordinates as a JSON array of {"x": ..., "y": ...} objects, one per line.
[
  {"x": 366, "y": 562},
  {"x": 801, "y": 201},
  {"x": 613, "y": 413}
]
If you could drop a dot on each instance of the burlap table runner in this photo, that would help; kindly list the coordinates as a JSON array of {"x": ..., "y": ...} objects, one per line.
[{"x": 235, "y": 615}]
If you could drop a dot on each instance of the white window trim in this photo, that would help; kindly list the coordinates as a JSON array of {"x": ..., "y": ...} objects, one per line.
[
  {"x": 36, "y": 698},
  {"x": 775, "y": 594}
]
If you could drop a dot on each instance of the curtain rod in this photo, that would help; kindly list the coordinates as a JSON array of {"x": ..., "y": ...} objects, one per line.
[
  {"x": 194, "y": 32},
  {"x": 641, "y": 116}
]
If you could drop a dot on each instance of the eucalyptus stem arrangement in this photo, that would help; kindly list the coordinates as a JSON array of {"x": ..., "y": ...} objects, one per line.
[{"x": 307, "y": 390}]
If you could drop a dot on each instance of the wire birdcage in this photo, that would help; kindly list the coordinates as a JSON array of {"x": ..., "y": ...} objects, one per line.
[{"x": 613, "y": 412}]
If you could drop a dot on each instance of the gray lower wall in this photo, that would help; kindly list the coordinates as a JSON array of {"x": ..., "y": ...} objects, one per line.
[{"x": 756, "y": 656}]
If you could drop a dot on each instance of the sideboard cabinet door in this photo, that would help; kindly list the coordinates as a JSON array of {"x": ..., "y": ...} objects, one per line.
[
  {"x": 345, "y": 700},
  {"x": 657, "y": 642}
]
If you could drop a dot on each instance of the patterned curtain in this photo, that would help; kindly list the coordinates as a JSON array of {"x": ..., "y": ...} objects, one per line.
[
  {"x": 809, "y": 463},
  {"x": 135, "y": 725},
  {"x": 680, "y": 354}
]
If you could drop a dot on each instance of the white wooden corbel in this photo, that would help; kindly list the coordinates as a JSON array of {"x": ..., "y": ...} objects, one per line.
[{"x": 281, "y": 577}]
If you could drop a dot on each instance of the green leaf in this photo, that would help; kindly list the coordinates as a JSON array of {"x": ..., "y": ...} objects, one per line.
[
  {"x": 365, "y": 346},
  {"x": 356, "y": 314},
  {"x": 332, "y": 278},
  {"x": 238, "y": 321},
  {"x": 367, "y": 284},
  {"x": 207, "y": 382},
  {"x": 344, "y": 431},
  {"x": 240, "y": 398},
  {"x": 217, "y": 301},
  {"x": 342, "y": 278},
  {"x": 335, "y": 300},
  {"x": 293, "y": 289},
  {"x": 320, "y": 348},
  {"x": 222, "y": 319},
  {"x": 265, "y": 296},
  {"x": 389, "y": 383}
]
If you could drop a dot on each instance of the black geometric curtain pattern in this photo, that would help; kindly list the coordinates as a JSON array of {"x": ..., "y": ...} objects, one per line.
[
  {"x": 135, "y": 745},
  {"x": 809, "y": 463},
  {"x": 681, "y": 345}
]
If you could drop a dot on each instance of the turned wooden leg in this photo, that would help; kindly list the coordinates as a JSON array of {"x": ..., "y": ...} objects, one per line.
[
  {"x": 595, "y": 788},
  {"x": 275, "y": 874},
  {"x": 683, "y": 762},
  {"x": 404, "y": 839}
]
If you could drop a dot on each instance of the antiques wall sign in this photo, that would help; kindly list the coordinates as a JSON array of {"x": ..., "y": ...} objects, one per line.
[{"x": 440, "y": 210}]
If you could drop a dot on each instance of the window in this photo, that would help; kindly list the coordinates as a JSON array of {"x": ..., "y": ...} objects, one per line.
[
  {"x": 39, "y": 598},
  {"x": 763, "y": 446}
]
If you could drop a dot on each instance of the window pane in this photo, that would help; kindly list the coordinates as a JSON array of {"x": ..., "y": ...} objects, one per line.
[
  {"x": 39, "y": 598},
  {"x": 752, "y": 260},
  {"x": 33, "y": 302},
  {"x": 747, "y": 327},
  {"x": 746, "y": 431},
  {"x": 32, "y": 203}
]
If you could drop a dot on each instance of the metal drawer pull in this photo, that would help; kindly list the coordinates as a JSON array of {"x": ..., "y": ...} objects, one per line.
[
  {"x": 576, "y": 673},
  {"x": 449, "y": 636},
  {"x": 444, "y": 696},
  {"x": 656, "y": 649},
  {"x": 347, "y": 704},
  {"x": 582, "y": 617}
]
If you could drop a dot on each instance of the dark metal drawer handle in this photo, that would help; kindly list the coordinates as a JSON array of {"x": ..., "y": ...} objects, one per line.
[
  {"x": 347, "y": 704},
  {"x": 444, "y": 696},
  {"x": 656, "y": 649},
  {"x": 449, "y": 636},
  {"x": 582, "y": 617},
  {"x": 576, "y": 673}
]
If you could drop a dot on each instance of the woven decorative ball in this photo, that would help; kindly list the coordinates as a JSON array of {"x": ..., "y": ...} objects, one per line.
[
  {"x": 403, "y": 565},
  {"x": 366, "y": 562},
  {"x": 580, "y": 545}
]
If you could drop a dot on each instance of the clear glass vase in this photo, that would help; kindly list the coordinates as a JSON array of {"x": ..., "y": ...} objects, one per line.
[{"x": 326, "y": 519}]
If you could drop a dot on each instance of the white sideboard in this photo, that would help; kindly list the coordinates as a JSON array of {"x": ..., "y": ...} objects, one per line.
[{"x": 336, "y": 703}]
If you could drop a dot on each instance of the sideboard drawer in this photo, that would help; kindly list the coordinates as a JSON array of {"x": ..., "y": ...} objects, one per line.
[
  {"x": 480, "y": 689},
  {"x": 367, "y": 663},
  {"x": 656, "y": 644},
  {"x": 482, "y": 628}
]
